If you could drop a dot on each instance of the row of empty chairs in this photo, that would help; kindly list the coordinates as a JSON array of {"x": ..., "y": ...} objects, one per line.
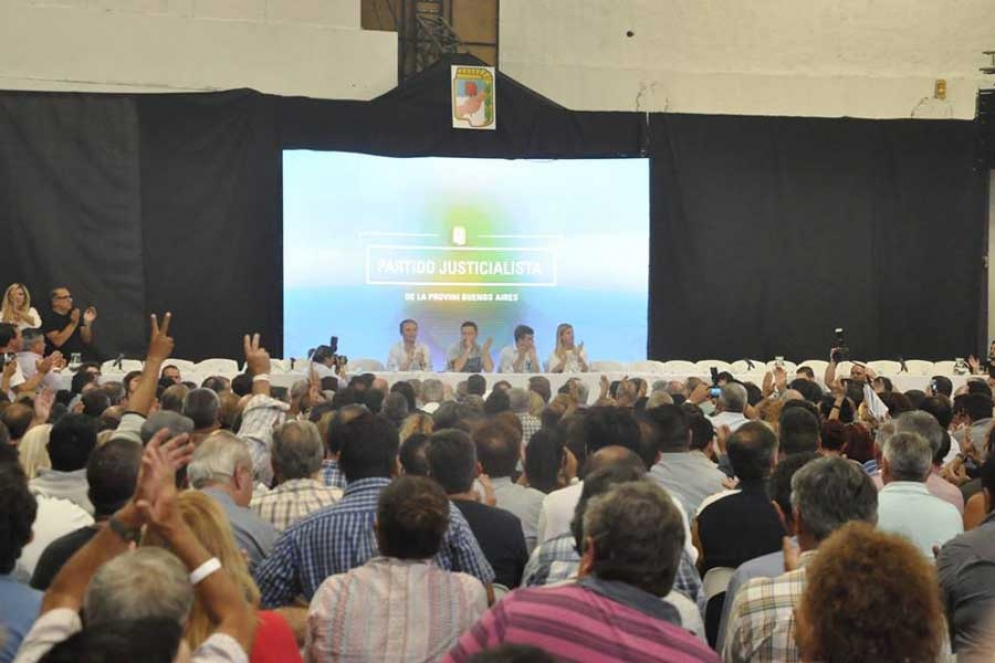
[{"x": 886, "y": 367}]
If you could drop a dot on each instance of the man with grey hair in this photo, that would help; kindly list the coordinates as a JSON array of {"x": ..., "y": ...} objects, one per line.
[
  {"x": 924, "y": 424},
  {"x": 729, "y": 407},
  {"x": 632, "y": 542},
  {"x": 433, "y": 392},
  {"x": 150, "y": 582},
  {"x": 297, "y": 455},
  {"x": 222, "y": 468},
  {"x": 906, "y": 506},
  {"x": 826, "y": 493},
  {"x": 518, "y": 401},
  {"x": 33, "y": 353},
  {"x": 657, "y": 398}
]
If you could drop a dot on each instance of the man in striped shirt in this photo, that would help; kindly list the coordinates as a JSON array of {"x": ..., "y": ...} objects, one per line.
[
  {"x": 297, "y": 454},
  {"x": 399, "y": 606},
  {"x": 633, "y": 537},
  {"x": 341, "y": 537}
]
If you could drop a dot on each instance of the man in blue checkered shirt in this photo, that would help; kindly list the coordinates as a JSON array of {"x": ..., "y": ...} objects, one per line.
[{"x": 341, "y": 537}]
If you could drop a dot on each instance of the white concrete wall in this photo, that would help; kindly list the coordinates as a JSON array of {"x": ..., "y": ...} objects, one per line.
[
  {"x": 291, "y": 47},
  {"x": 823, "y": 58}
]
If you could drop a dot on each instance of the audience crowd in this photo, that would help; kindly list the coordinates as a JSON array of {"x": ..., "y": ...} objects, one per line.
[{"x": 352, "y": 519}]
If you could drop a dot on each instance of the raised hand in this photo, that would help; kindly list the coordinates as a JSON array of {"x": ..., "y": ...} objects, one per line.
[
  {"x": 43, "y": 405},
  {"x": 256, "y": 356},
  {"x": 58, "y": 361},
  {"x": 700, "y": 394},
  {"x": 160, "y": 343},
  {"x": 45, "y": 365},
  {"x": 488, "y": 343},
  {"x": 155, "y": 492},
  {"x": 74, "y": 316},
  {"x": 89, "y": 315}
]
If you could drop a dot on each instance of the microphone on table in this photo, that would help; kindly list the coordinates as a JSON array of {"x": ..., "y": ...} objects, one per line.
[
  {"x": 749, "y": 364},
  {"x": 119, "y": 362},
  {"x": 901, "y": 360}
]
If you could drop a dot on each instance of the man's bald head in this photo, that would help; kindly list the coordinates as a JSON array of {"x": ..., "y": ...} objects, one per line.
[{"x": 613, "y": 455}]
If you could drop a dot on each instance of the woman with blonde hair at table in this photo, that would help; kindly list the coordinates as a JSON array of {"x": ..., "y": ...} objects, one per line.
[
  {"x": 274, "y": 638},
  {"x": 567, "y": 357},
  {"x": 17, "y": 309}
]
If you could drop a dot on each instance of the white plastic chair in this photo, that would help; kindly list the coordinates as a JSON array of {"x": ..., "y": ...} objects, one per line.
[
  {"x": 920, "y": 367},
  {"x": 741, "y": 366},
  {"x": 681, "y": 367},
  {"x": 648, "y": 366},
  {"x": 127, "y": 365},
  {"x": 716, "y": 580},
  {"x": 365, "y": 365},
  {"x": 818, "y": 367},
  {"x": 944, "y": 368},
  {"x": 885, "y": 367},
  {"x": 224, "y": 367},
  {"x": 607, "y": 367},
  {"x": 299, "y": 364},
  {"x": 706, "y": 365},
  {"x": 185, "y": 366},
  {"x": 280, "y": 365}
]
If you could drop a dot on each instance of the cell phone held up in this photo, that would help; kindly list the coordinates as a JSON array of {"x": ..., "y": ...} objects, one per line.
[
  {"x": 840, "y": 352},
  {"x": 715, "y": 391}
]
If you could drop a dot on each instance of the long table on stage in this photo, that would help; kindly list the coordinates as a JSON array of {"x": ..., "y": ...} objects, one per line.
[{"x": 901, "y": 382}]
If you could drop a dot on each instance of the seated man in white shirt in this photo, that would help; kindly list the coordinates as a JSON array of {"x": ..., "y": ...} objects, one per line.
[
  {"x": 905, "y": 505},
  {"x": 14, "y": 381},
  {"x": 522, "y": 356},
  {"x": 729, "y": 407},
  {"x": 408, "y": 354},
  {"x": 32, "y": 356}
]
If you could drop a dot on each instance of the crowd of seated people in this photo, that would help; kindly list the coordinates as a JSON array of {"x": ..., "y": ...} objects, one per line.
[{"x": 154, "y": 519}]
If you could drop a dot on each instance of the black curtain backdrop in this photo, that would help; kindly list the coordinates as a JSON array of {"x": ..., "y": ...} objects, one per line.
[
  {"x": 765, "y": 232},
  {"x": 70, "y": 207}
]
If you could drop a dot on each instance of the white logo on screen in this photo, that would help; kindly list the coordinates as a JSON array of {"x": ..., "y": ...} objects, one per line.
[{"x": 459, "y": 235}]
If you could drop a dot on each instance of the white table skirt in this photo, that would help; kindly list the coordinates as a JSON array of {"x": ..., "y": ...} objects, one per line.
[{"x": 900, "y": 382}]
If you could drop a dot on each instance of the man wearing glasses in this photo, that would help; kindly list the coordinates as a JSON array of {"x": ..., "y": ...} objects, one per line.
[{"x": 66, "y": 329}]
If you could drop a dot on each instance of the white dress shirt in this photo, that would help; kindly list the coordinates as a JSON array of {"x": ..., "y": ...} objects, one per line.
[
  {"x": 508, "y": 357},
  {"x": 421, "y": 358},
  {"x": 731, "y": 419},
  {"x": 908, "y": 508},
  {"x": 56, "y": 517}
]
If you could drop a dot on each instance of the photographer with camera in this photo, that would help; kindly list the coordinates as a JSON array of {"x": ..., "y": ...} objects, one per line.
[
  {"x": 837, "y": 355},
  {"x": 326, "y": 363}
]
